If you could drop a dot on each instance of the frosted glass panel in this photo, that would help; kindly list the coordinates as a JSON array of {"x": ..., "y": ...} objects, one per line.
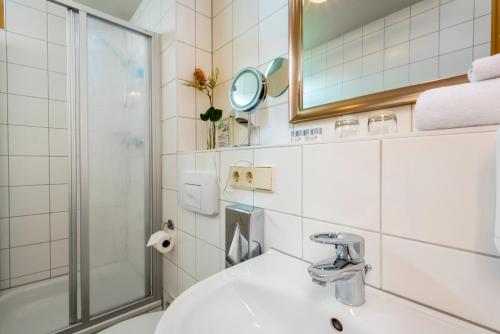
[{"x": 118, "y": 109}]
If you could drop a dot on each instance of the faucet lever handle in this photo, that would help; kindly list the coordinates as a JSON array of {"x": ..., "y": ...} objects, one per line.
[{"x": 352, "y": 244}]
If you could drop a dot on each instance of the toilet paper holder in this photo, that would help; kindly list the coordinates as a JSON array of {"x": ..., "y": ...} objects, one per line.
[{"x": 244, "y": 233}]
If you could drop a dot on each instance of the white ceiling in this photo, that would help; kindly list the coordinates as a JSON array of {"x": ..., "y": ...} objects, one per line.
[
  {"x": 123, "y": 9},
  {"x": 326, "y": 21}
]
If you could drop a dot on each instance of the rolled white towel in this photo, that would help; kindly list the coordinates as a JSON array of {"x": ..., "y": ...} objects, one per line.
[
  {"x": 470, "y": 104},
  {"x": 485, "y": 68}
]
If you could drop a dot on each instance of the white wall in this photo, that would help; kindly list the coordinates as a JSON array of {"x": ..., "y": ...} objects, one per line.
[
  {"x": 424, "y": 203},
  {"x": 33, "y": 144}
]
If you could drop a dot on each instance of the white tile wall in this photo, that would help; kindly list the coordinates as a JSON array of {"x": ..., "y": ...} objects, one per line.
[
  {"x": 430, "y": 31},
  {"x": 345, "y": 186},
  {"x": 33, "y": 114}
]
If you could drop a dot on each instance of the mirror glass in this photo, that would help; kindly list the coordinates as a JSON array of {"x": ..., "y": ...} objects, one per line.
[
  {"x": 353, "y": 48},
  {"x": 246, "y": 90},
  {"x": 277, "y": 77}
]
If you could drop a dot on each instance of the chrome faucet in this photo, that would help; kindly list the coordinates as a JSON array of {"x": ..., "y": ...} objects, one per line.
[{"x": 347, "y": 269}]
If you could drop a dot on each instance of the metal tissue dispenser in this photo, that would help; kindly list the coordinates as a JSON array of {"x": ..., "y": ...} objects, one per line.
[{"x": 244, "y": 233}]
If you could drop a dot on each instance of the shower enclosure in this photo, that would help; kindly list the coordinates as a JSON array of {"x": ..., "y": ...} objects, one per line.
[{"x": 102, "y": 185}]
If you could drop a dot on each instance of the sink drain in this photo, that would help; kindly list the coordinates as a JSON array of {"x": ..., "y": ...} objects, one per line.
[{"x": 336, "y": 324}]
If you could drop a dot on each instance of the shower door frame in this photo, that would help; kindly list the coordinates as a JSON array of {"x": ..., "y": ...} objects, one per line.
[{"x": 78, "y": 112}]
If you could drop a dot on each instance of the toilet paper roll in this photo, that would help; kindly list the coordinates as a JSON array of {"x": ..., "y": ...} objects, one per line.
[{"x": 163, "y": 241}]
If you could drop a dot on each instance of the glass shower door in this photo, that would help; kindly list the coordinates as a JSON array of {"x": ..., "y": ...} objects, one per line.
[{"x": 118, "y": 155}]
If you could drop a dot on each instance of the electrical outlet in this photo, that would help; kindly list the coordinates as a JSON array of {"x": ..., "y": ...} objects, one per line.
[{"x": 253, "y": 178}]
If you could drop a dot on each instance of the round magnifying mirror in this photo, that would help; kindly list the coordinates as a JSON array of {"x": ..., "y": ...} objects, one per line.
[
  {"x": 247, "y": 90},
  {"x": 277, "y": 77}
]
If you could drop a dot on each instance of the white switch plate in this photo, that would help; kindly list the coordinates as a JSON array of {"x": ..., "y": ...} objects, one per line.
[{"x": 252, "y": 178}]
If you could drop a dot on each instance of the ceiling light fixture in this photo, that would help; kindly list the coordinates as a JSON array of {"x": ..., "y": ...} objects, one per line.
[{"x": 317, "y": 1}]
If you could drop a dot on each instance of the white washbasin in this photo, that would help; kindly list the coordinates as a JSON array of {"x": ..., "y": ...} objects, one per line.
[{"x": 273, "y": 294}]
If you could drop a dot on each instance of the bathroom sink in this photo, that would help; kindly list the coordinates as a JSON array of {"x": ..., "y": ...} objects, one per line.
[{"x": 273, "y": 294}]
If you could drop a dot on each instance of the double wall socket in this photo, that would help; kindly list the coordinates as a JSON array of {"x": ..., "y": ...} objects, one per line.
[{"x": 255, "y": 178}]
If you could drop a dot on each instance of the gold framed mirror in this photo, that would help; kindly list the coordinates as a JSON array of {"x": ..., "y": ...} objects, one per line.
[{"x": 325, "y": 29}]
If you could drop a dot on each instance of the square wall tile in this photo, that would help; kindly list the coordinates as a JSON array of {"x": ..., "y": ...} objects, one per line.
[
  {"x": 4, "y": 264},
  {"x": 26, "y": 171},
  {"x": 204, "y": 7},
  {"x": 455, "y": 12},
  {"x": 4, "y": 134},
  {"x": 424, "y": 23},
  {"x": 29, "y": 259},
  {"x": 30, "y": 278},
  {"x": 245, "y": 50},
  {"x": 168, "y": 64},
  {"x": 59, "y": 170},
  {"x": 397, "y": 56},
  {"x": 57, "y": 56},
  {"x": 283, "y": 232},
  {"x": 186, "y": 249},
  {"x": 423, "y": 6},
  {"x": 185, "y": 281},
  {"x": 397, "y": 33},
  {"x": 185, "y": 21},
  {"x": 30, "y": 200},
  {"x": 3, "y": 77},
  {"x": 4, "y": 202},
  {"x": 56, "y": 29},
  {"x": 482, "y": 30},
  {"x": 24, "y": 110},
  {"x": 59, "y": 142},
  {"x": 185, "y": 101},
  {"x": 59, "y": 253},
  {"x": 314, "y": 252},
  {"x": 59, "y": 198},
  {"x": 27, "y": 81},
  {"x": 245, "y": 15},
  {"x": 203, "y": 32},
  {"x": 339, "y": 179},
  {"x": 57, "y": 86},
  {"x": 222, "y": 27},
  {"x": 4, "y": 171},
  {"x": 287, "y": 165},
  {"x": 169, "y": 277},
  {"x": 28, "y": 140},
  {"x": 482, "y": 7},
  {"x": 411, "y": 267},
  {"x": 425, "y": 70},
  {"x": 273, "y": 36},
  {"x": 460, "y": 173},
  {"x": 208, "y": 229},
  {"x": 4, "y": 233},
  {"x": 456, "y": 38},
  {"x": 223, "y": 60},
  {"x": 29, "y": 230},
  {"x": 208, "y": 260},
  {"x": 185, "y": 61},
  {"x": 59, "y": 225},
  {"x": 3, "y": 108},
  {"x": 396, "y": 77},
  {"x": 455, "y": 63},
  {"x": 26, "y": 21},
  {"x": 27, "y": 51},
  {"x": 169, "y": 134},
  {"x": 169, "y": 209},
  {"x": 373, "y": 42},
  {"x": 58, "y": 114},
  {"x": 424, "y": 47},
  {"x": 169, "y": 171},
  {"x": 186, "y": 131},
  {"x": 275, "y": 127}
]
